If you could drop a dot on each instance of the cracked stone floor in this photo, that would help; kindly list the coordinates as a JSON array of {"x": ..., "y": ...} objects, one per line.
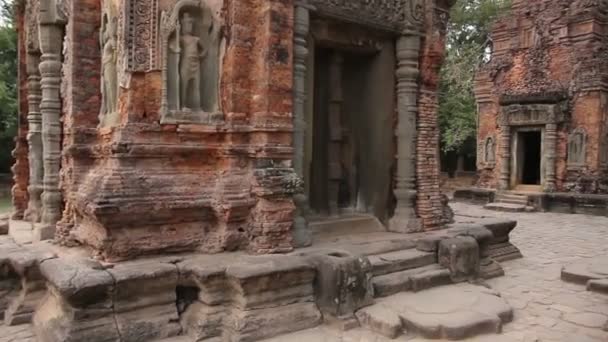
[{"x": 546, "y": 308}]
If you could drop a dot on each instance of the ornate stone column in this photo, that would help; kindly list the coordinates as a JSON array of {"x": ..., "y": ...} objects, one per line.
[
  {"x": 551, "y": 146},
  {"x": 34, "y": 137},
  {"x": 408, "y": 51},
  {"x": 51, "y": 44},
  {"x": 505, "y": 157},
  {"x": 302, "y": 236},
  {"x": 335, "y": 130}
]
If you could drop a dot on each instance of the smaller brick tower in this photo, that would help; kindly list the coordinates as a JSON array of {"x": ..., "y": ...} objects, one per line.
[{"x": 542, "y": 99}]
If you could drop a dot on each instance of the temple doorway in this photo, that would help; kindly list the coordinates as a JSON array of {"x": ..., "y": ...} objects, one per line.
[
  {"x": 531, "y": 158},
  {"x": 528, "y": 158},
  {"x": 349, "y": 149}
]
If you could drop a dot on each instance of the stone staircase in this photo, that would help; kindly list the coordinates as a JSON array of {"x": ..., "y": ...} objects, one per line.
[
  {"x": 406, "y": 270},
  {"x": 510, "y": 202}
]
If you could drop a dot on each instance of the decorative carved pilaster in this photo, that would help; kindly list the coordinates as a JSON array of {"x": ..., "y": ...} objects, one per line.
[
  {"x": 51, "y": 44},
  {"x": 335, "y": 131},
  {"x": 505, "y": 157},
  {"x": 34, "y": 138},
  {"x": 302, "y": 236},
  {"x": 551, "y": 146},
  {"x": 408, "y": 50}
]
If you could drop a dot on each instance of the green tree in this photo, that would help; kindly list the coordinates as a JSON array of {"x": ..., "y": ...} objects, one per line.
[
  {"x": 467, "y": 40},
  {"x": 8, "y": 83}
]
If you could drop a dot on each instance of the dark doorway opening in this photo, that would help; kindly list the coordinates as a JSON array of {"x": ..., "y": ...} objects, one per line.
[{"x": 532, "y": 157}]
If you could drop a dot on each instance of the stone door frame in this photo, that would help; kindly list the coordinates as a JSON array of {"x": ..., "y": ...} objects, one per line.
[
  {"x": 404, "y": 19},
  {"x": 515, "y": 172},
  {"x": 520, "y": 113}
]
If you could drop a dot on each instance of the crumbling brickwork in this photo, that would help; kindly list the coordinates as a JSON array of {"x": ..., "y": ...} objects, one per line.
[
  {"x": 21, "y": 167},
  {"x": 546, "y": 52},
  {"x": 429, "y": 200},
  {"x": 146, "y": 171}
]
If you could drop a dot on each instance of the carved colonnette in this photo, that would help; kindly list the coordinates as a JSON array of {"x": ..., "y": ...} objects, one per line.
[
  {"x": 32, "y": 59},
  {"x": 51, "y": 44}
]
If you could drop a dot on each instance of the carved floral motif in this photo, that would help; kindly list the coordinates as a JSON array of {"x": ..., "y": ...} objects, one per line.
[{"x": 392, "y": 15}]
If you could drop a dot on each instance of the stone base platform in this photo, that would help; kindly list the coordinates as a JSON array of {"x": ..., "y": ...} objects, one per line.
[
  {"x": 591, "y": 273},
  {"x": 69, "y": 296},
  {"x": 558, "y": 202}
]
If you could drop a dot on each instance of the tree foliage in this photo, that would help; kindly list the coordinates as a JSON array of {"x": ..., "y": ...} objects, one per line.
[
  {"x": 8, "y": 82},
  {"x": 468, "y": 34}
]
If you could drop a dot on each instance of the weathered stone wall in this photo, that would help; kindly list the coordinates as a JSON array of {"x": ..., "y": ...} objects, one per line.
[{"x": 548, "y": 47}]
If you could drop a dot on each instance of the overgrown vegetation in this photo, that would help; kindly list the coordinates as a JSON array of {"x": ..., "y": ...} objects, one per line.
[
  {"x": 8, "y": 84},
  {"x": 467, "y": 40}
]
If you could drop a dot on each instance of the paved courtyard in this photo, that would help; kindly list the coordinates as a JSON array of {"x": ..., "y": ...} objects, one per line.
[{"x": 546, "y": 309}]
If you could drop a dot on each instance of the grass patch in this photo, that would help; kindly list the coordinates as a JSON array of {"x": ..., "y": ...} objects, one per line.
[{"x": 5, "y": 205}]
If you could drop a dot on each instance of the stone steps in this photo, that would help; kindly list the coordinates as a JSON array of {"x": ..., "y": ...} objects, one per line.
[
  {"x": 411, "y": 280},
  {"x": 400, "y": 261},
  {"x": 345, "y": 225},
  {"x": 508, "y": 207}
]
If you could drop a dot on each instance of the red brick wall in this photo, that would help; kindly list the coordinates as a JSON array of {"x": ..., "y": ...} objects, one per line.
[
  {"x": 428, "y": 203},
  {"x": 154, "y": 188},
  {"x": 21, "y": 167}
]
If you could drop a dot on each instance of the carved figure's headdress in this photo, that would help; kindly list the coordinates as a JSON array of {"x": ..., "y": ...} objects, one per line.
[{"x": 187, "y": 18}]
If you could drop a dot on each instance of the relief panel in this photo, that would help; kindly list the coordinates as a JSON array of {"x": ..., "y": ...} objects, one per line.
[
  {"x": 577, "y": 148},
  {"x": 190, "y": 45}
]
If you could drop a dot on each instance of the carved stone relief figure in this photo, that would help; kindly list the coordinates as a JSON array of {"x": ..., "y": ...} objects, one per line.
[
  {"x": 489, "y": 151},
  {"x": 604, "y": 149},
  {"x": 109, "y": 83},
  {"x": 577, "y": 147},
  {"x": 191, "y": 51},
  {"x": 190, "y": 37}
]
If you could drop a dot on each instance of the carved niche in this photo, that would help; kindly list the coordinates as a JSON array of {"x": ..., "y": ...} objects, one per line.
[
  {"x": 190, "y": 44},
  {"x": 489, "y": 152},
  {"x": 109, "y": 71},
  {"x": 577, "y": 147},
  {"x": 392, "y": 15}
]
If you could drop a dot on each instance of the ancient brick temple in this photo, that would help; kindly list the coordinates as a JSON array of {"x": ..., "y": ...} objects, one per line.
[
  {"x": 234, "y": 170},
  {"x": 542, "y": 99},
  {"x": 153, "y": 126}
]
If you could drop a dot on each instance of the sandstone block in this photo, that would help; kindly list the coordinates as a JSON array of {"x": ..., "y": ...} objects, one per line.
[
  {"x": 461, "y": 256},
  {"x": 343, "y": 283},
  {"x": 381, "y": 320}
]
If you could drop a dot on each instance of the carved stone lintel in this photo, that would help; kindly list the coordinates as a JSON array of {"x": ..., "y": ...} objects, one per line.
[
  {"x": 302, "y": 236},
  {"x": 34, "y": 137},
  {"x": 51, "y": 44},
  {"x": 390, "y": 15},
  {"x": 408, "y": 49}
]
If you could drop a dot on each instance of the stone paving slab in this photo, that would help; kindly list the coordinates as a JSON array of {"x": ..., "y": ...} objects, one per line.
[
  {"x": 454, "y": 312},
  {"x": 583, "y": 271}
]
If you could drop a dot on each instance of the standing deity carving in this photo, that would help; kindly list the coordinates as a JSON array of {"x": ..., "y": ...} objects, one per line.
[
  {"x": 576, "y": 147},
  {"x": 191, "y": 51},
  {"x": 109, "y": 74},
  {"x": 190, "y": 37},
  {"x": 490, "y": 151}
]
